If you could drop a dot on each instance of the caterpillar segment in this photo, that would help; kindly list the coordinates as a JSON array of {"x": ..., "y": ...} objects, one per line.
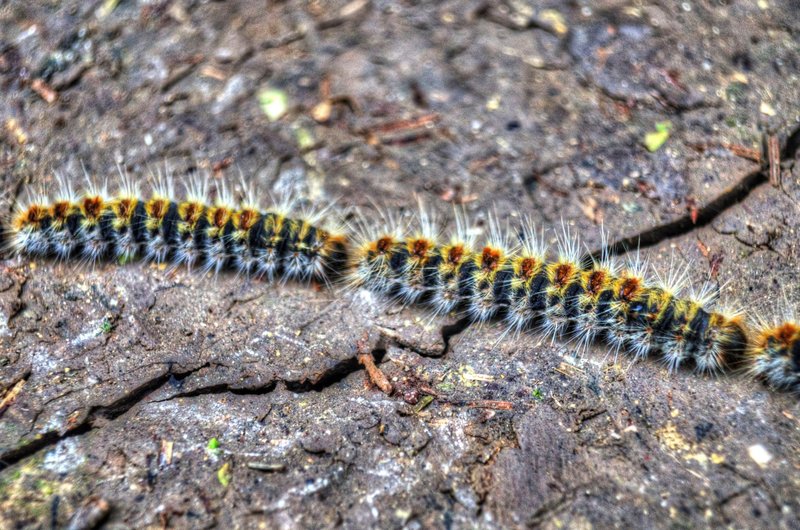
[
  {"x": 444, "y": 273},
  {"x": 30, "y": 227},
  {"x": 160, "y": 218},
  {"x": 270, "y": 245},
  {"x": 484, "y": 278},
  {"x": 724, "y": 343},
  {"x": 592, "y": 304},
  {"x": 217, "y": 233},
  {"x": 126, "y": 216},
  {"x": 557, "y": 296},
  {"x": 526, "y": 286},
  {"x": 311, "y": 252},
  {"x": 561, "y": 296},
  {"x": 95, "y": 231},
  {"x": 190, "y": 225},
  {"x": 649, "y": 321},
  {"x": 376, "y": 255},
  {"x": 627, "y": 291},
  {"x": 292, "y": 235},
  {"x": 484, "y": 282},
  {"x": 64, "y": 220},
  {"x": 372, "y": 264},
  {"x": 415, "y": 262}
]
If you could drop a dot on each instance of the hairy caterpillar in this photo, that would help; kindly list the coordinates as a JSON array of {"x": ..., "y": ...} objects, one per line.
[
  {"x": 520, "y": 284},
  {"x": 510, "y": 276},
  {"x": 192, "y": 231}
]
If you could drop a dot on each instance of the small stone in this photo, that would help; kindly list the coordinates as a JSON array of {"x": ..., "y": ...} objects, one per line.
[
  {"x": 767, "y": 109},
  {"x": 234, "y": 89},
  {"x": 759, "y": 454},
  {"x": 231, "y": 49},
  {"x": 319, "y": 443}
]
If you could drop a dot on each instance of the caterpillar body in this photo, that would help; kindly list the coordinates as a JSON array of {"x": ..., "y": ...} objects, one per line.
[
  {"x": 192, "y": 231},
  {"x": 520, "y": 285},
  {"x": 508, "y": 277}
]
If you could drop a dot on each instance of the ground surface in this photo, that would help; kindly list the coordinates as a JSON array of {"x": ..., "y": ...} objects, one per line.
[{"x": 115, "y": 380}]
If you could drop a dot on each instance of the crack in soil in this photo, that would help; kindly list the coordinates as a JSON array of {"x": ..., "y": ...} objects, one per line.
[
  {"x": 110, "y": 412},
  {"x": 451, "y": 330},
  {"x": 553, "y": 507},
  {"x": 686, "y": 224},
  {"x": 447, "y": 331},
  {"x": 329, "y": 377},
  {"x": 221, "y": 388}
]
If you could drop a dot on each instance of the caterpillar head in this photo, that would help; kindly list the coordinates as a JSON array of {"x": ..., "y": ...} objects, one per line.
[{"x": 774, "y": 354}]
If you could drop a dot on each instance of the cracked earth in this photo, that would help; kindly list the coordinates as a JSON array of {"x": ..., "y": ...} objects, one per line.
[{"x": 137, "y": 396}]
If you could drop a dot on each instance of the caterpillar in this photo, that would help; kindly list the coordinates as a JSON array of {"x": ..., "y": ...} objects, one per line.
[
  {"x": 509, "y": 276},
  {"x": 526, "y": 288},
  {"x": 192, "y": 230}
]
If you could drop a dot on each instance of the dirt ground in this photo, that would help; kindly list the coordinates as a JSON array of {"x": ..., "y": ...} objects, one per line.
[{"x": 150, "y": 398}]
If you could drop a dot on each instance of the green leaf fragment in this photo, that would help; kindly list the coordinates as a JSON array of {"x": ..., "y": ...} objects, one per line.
[
  {"x": 422, "y": 403},
  {"x": 655, "y": 139},
  {"x": 273, "y": 102},
  {"x": 213, "y": 444},
  {"x": 224, "y": 474},
  {"x": 305, "y": 138},
  {"x": 446, "y": 387}
]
